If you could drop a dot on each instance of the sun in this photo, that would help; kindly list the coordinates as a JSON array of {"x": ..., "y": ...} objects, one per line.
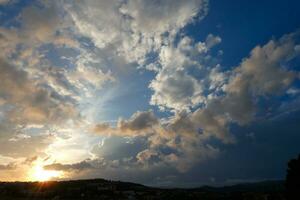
[{"x": 38, "y": 173}]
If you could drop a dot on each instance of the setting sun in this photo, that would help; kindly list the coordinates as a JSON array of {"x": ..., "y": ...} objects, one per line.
[{"x": 39, "y": 174}]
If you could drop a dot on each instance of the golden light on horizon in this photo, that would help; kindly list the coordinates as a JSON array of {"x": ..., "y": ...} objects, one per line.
[{"x": 38, "y": 173}]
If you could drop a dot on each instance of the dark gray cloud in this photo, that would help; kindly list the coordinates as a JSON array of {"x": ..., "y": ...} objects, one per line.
[
  {"x": 32, "y": 103},
  {"x": 83, "y": 165},
  {"x": 10, "y": 166},
  {"x": 139, "y": 123}
]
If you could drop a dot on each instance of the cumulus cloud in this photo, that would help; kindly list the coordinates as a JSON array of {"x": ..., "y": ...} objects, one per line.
[
  {"x": 176, "y": 85},
  {"x": 185, "y": 133},
  {"x": 262, "y": 74},
  {"x": 132, "y": 27},
  {"x": 45, "y": 23},
  {"x": 118, "y": 154},
  {"x": 169, "y": 143},
  {"x": 138, "y": 123},
  {"x": 38, "y": 90},
  {"x": 32, "y": 103},
  {"x": 163, "y": 16}
]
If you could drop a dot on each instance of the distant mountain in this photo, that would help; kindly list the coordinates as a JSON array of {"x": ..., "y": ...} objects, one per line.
[
  {"x": 264, "y": 186},
  {"x": 105, "y": 189}
]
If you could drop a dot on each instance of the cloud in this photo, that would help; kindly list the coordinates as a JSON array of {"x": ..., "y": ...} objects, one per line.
[
  {"x": 186, "y": 133},
  {"x": 158, "y": 143},
  {"x": 139, "y": 122},
  {"x": 10, "y": 166},
  {"x": 88, "y": 74},
  {"x": 32, "y": 103},
  {"x": 134, "y": 28},
  {"x": 122, "y": 155},
  {"x": 293, "y": 91},
  {"x": 263, "y": 72},
  {"x": 15, "y": 144},
  {"x": 183, "y": 79},
  {"x": 84, "y": 165},
  {"x": 163, "y": 16},
  {"x": 39, "y": 92},
  {"x": 45, "y": 23},
  {"x": 31, "y": 88},
  {"x": 212, "y": 40},
  {"x": 30, "y": 160},
  {"x": 178, "y": 90},
  {"x": 40, "y": 23},
  {"x": 37, "y": 89},
  {"x": 118, "y": 147}
]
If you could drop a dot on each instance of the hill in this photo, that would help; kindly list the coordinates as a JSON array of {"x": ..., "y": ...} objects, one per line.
[{"x": 105, "y": 189}]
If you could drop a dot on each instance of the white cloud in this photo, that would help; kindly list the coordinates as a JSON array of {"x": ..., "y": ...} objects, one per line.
[
  {"x": 263, "y": 72},
  {"x": 293, "y": 91},
  {"x": 177, "y": 90},
  {"x": 212, "y": 40},
  {"x": 157, "y": 17},
  {"x": 185, "y": 74},
  {"x": 136, "y": 27}
]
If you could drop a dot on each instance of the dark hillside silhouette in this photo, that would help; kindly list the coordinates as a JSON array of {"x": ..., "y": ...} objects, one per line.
[
  {"x": 293, "y": 179},
  {"x": 104, "y": 189}
]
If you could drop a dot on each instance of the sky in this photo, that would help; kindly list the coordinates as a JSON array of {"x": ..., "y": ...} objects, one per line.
[{"x": 164, "y": 93}]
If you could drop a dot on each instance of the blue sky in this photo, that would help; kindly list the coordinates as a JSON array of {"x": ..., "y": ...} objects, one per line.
[{"x": 168, "y": 94}]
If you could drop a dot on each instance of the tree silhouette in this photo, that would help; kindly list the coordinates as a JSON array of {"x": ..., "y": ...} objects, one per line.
[{"x": 293, "y": 179}]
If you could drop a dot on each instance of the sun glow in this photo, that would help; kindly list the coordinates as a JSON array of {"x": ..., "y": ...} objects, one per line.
[{"x": 40, "y": 174}]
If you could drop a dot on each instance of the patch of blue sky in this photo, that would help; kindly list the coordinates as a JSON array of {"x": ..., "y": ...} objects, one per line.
[
  {"x": 125, "y": 97},
  {"x": 244, "y": 24},
  {"x": 59, "y": 56},
  {"x": 9, "y": 12}
]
